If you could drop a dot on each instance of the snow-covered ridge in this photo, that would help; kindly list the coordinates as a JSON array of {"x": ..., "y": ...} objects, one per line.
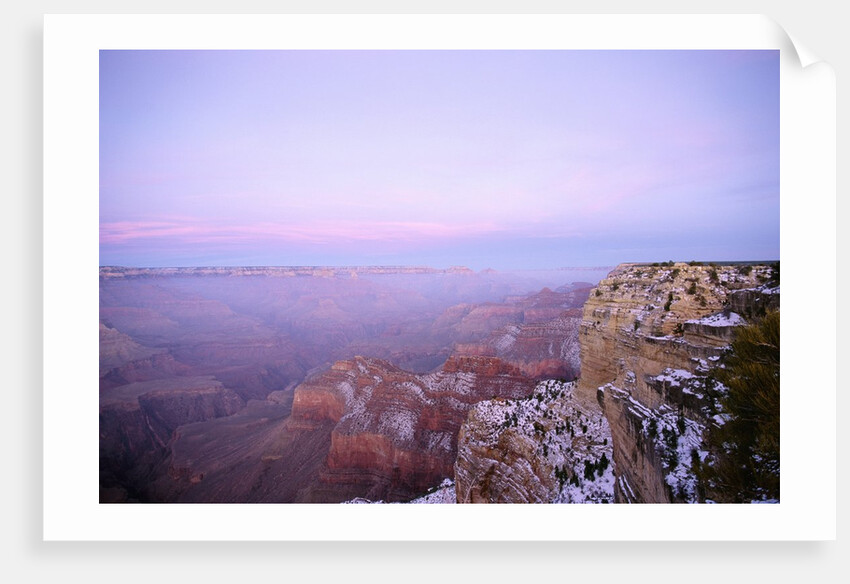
[{"x": 545, "y": 448}]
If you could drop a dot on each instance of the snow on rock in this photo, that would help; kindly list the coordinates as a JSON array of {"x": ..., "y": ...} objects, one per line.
[
  {"x": 443, "y": 494},
  {"x": 679, "y": 442},
  {"x": 674, "y": 376},
  {"x": 652, "y": 337},
  {"x": 720, "y": 319},
  {"x": 394, "y": 433},
  {"x": 546, "y": 448}
]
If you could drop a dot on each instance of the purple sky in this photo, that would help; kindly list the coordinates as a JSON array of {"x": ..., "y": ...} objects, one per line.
[{"x": 502, "y": 159}]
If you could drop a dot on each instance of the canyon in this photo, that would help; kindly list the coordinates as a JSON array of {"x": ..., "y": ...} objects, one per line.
[
  {"x": 251, "y": 360},
  {"x": 387, "y": 384}
]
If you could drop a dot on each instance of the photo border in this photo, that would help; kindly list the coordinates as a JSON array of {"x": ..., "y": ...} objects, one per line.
[{"x": 71, "y": 224}]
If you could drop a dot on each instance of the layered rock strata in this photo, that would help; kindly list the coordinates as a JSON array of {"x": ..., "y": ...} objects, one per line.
[
  {"x": 137, "y": 422},
  {"x": 650, "y": 338},
  {"x": 396, "y": 433},
  {"x": 542, "y": 350},
  {"x": 362, "y": 429},
  {"x": 541, "y": 340}
]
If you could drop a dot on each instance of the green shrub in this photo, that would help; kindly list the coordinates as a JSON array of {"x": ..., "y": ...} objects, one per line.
[{"x": 745, "y": 450}]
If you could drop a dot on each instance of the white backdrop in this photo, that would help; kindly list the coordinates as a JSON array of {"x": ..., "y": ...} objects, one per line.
[{"x": 816, "y": 28}]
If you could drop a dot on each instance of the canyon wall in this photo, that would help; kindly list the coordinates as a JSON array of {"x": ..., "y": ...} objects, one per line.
[
  {"x": 362, "y": 429},
  {"x": 650, "y": 338},
  {"x": 395, "y": 434}
]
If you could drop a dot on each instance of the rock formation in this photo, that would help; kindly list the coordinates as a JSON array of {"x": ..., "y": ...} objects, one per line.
[
  {"x": 650, "y": 337},
  {"x": 364, "y": 428},
  {"x": 395, "y": 434},
  {"x": 541, "y": 339},
  {"x": 259, "y": 332},
  {"x": 541, "y": 350},
  {"x": 546, "y": 448}
]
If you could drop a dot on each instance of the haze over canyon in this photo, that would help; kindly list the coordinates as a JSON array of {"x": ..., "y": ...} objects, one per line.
[{"x": 414, "y": 384}]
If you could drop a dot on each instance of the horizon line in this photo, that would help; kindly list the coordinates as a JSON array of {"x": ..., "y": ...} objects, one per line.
[{"x": 347, "y": 267}]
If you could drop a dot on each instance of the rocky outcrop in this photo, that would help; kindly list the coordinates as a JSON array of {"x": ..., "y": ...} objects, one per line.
[
  {"x": 546, "y": 448},
  {"x": 364, "y": 428},
  {"x": 169, "y": 408},
  {"x": 541, "y": 350},
  {"x": 650, "y": 337},
  {"x": 396, "y": 433},
  {"x": 542, "y": 340}
]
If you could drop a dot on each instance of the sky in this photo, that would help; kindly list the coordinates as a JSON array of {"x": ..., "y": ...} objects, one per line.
[{"x": 482, "y": 158}]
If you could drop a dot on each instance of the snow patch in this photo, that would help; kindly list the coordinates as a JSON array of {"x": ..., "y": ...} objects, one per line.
[
  {"x": 720, "y": 319},
  {"x": 444, "y": 493},
  {"x": 572, "y": 444}
]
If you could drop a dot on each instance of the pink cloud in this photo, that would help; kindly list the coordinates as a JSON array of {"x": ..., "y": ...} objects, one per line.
[
  {"x": 123, "y": 231},
  {"x": 320, "y": 232}
]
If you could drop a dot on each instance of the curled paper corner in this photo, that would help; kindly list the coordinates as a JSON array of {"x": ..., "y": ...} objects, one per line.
[
  {"x": 790, "y": 43},
  {"x": 805, "y": 56}
]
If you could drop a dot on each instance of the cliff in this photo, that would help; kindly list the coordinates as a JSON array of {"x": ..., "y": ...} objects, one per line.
[{"x": 650, "y": 338}]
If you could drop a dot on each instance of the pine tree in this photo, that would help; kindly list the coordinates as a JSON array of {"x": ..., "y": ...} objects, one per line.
[{"x": 744, "y": 464}]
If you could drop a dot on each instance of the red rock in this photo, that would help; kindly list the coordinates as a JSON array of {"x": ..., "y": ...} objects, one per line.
[{"x": 381, "y": 433}]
